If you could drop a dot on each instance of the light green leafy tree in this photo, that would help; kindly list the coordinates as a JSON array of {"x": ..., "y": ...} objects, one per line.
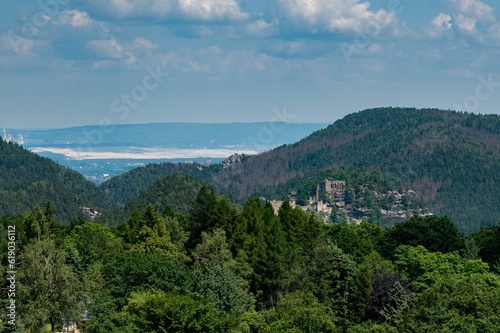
[
  {"x": 157, "y": 311},
  {"x": 49, "y": 290},
  {"x": 299, "y": 312}
]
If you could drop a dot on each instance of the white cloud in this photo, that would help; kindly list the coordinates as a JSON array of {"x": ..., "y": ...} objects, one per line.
[
  {"x": 184, "y": 10},
  {"x": 468, "y": 19},
  {"x": 465, "y": 23},
  {"x": 209, "y": 10},
  {"x": 107, "y": 48},
  {"x": 473, "y": 17},
  {"x": 262, "y": 28},
  {"x": 143, "y": 43},
  {"x": 474, "y": 9},
  {"x": 440, "y": 25},
  {"x": 442, "y": 21},
  {"x": 75, "y": 18},
  {"x": 210, "y": 50},
  {"x": 335, "y": 15}
]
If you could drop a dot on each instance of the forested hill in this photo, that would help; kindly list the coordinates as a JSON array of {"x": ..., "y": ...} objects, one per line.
[
  {"x": 135, "y": 182},
  {"x": 27, "y": 179},
  {"x": 450, "y": 158},
  {"x": 176, "y": 191}
]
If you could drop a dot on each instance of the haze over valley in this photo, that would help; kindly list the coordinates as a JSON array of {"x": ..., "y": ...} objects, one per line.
[{"x": 100, "y": 153}]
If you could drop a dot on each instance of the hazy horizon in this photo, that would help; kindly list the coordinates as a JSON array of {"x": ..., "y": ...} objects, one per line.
[{"x": 165, "y": 122}]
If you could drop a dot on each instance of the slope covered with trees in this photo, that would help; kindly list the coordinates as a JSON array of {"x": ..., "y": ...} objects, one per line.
[
  {"x": 452, "y": 159},
  {"x": 449, "y": 158},
  {"x": 175, "y": 191},
  {"x": 27, "y": 179},
  {"x": 131, "y": 184}
]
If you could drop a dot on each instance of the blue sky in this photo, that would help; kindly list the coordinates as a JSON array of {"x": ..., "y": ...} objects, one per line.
[{"x": 74, "y": 62}]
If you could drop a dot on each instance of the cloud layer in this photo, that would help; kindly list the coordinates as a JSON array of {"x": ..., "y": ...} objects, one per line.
[{"x": 223, "y": 50}]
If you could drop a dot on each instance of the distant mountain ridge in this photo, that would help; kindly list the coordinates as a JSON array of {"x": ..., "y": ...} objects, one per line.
[
  {"x": 101, "y": 152},
  {"x": 450, "y": 158}
]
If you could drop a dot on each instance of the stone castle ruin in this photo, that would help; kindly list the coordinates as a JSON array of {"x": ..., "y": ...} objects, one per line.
[
  {"x": 330, "y": 197},
  {"x": 331, "y": 188}
]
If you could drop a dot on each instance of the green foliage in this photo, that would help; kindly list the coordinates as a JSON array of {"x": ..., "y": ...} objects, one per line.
[
  {"x": 425, "y": 269},
  {"x": 151, "y": 232},
  {"x": 398, "y": 304},
  {"x": 216, "y": 248},
  {"x": 369, "y": 327},
  {"x": 248, "y": 236},
  {"x": 157, "y": 311},
  {"x": 221, "y": 268},
  {"x": 292, "y": 221},
  {"x": 458, "y": 303},
  {"x": 37, "y": 225},
  {"x": 176, "y": 191},
  {"x": 92, "y": 243},
  {"x": 131, "y": 184},
  {"x": 433, "y": 232},
  {"x": 134, "y": 271},
  {"x": 105, "y": 318},
  {"x": 218, "y": 276},
  {"x": 300, "y": 312},
  {"x": 471, "y": 249},
  {"x": 222, "y": 287},
  {"x": 207, "y": 212},
  {"x": 488, "y": 242},
  {"x": 48, "y": 288},
  {"x": 27, "y": 180},
  {"x": 330, "y": 277},
  {"x": 367, "y": 294},
  {"x": 358, "y": 241}
]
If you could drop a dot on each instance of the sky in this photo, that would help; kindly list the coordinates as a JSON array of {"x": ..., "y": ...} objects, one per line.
[{"x": 101, "y": 62}]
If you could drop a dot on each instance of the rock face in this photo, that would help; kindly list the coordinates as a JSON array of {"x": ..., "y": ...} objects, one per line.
[
  {"x": 90, "y": 213},
  {"x": 232, "y": 160}
]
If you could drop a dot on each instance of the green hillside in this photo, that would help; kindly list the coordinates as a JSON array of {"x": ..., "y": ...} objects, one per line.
[
  {"x": 449, "y": 158},
  {"x": 27, "y": 179},
  {"x": 131, "y": 184},
  {"x": 176, "y": 191}
]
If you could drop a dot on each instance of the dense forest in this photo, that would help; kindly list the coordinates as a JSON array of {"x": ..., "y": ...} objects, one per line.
[
  {"x": 450, "y": 158},
  {"x": 27, "y": 179},
  {"x": 194, "y": 248},
  {"x": 221, "y": 268}
]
